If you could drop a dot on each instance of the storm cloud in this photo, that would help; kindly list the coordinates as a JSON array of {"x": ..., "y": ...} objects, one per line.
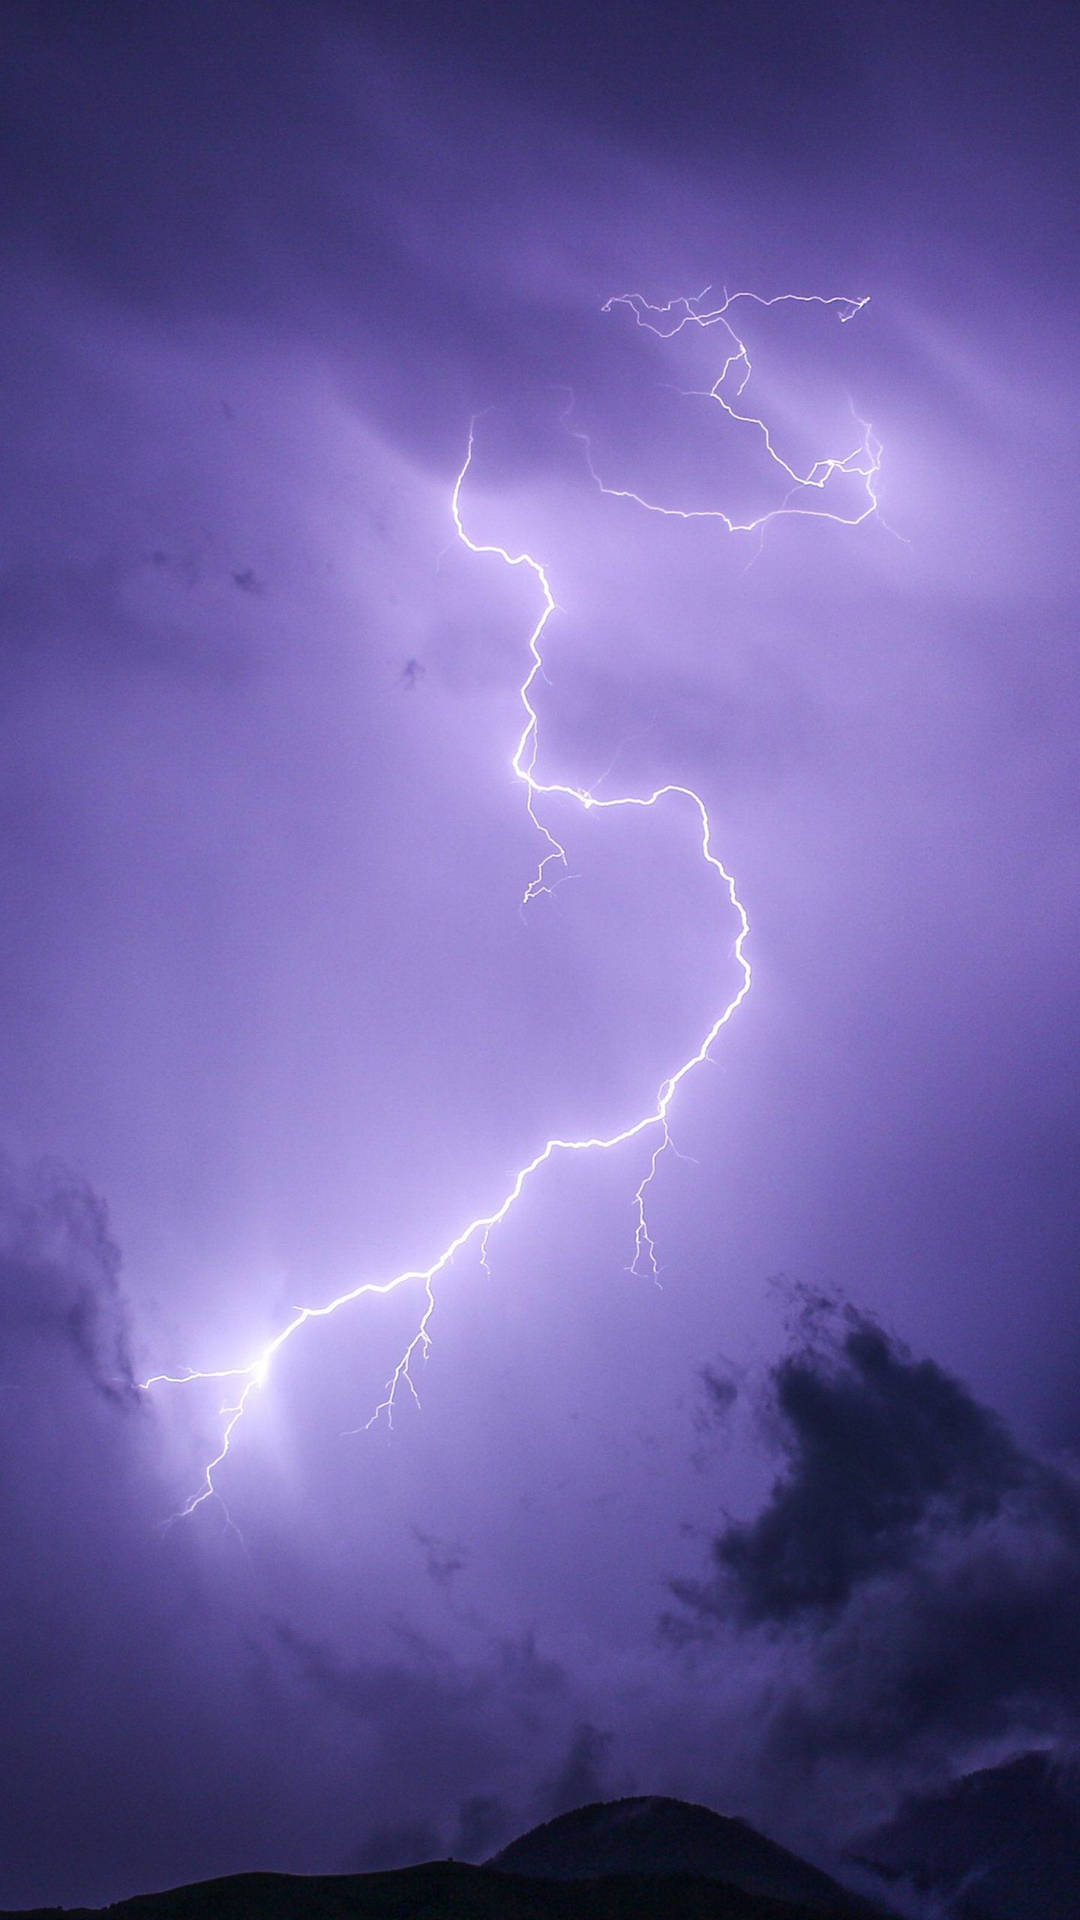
[
  {"x": 60, "y": 1277},
  {"x": 914, "y": 1563}
]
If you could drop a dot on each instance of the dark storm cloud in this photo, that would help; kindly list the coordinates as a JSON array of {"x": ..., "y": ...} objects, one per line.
[
  {"x": 1003, "y": 1842},
  {"x": 919, "y": 1562},
  {"x": 884, "y": 1453},
  {"x": 60, "y": 1276}
]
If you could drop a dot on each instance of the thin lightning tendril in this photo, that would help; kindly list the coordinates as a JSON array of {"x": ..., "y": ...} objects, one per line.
[{"x": 863, "y": 462}]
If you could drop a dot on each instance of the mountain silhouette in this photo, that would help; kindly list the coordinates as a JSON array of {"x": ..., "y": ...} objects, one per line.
[
  {"x": 623, "y": 1860},
  {"x": 653, "y": 1835}
]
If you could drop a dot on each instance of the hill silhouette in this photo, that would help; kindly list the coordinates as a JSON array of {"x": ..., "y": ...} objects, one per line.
[
  {"x": 654, "y": 1835},
  {"x": 623, "y": 1860}
]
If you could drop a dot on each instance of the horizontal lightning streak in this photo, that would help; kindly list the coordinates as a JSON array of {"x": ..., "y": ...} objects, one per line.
[
  {"x": 863, "y": 460},
  {"x": 682, "y": 312}
]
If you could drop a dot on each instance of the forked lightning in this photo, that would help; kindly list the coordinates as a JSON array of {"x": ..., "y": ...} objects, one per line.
[{"x": 862, "y": 461}]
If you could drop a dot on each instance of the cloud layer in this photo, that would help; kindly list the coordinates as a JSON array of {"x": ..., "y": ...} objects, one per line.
[{"x": 912, "y": 1570}]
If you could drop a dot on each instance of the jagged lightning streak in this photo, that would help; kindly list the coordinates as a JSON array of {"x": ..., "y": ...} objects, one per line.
[
  {"x": 861, "y": 459},
  {"x": 863, "y": 462}
]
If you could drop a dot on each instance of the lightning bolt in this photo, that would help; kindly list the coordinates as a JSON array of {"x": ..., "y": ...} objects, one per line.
[{"x": 861, "y": 461}]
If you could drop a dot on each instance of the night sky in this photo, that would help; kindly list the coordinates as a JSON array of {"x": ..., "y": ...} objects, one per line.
[{"x": 792, "y": 1527}]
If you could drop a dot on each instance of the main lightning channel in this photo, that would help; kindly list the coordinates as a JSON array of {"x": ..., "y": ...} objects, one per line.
[{"x": 864, "y": 461}]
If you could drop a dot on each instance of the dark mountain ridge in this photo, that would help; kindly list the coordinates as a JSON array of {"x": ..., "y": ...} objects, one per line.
[
  {"x": 620, "y": 1860},
  {"x": 655, "y": 1835},
  {"x": 448, "y": 1890}
]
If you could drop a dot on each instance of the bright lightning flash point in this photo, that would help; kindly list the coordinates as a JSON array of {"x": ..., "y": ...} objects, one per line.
[{"x": 862, "y": 461}]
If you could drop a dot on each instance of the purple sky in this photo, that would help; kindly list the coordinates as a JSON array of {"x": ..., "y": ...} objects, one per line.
[{"x": 277, "y": 1026}]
